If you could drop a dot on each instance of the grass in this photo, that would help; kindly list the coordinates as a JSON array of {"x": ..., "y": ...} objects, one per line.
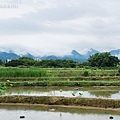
[
  {"x": 92, "y": 102},
  {"x": 15, "y": 77},
  {"x": 21, "y": 72},
  {"x": 59, "y": 77},
  {"x": 60, "y": 83}
]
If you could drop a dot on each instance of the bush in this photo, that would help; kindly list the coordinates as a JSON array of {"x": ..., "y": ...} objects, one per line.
[
  {"x": 119, "y": 70},
  {"x": 85, "y": 73}
]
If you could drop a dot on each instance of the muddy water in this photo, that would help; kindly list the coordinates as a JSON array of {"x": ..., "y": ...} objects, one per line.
[
  {"x": 98, "y": 92},
  {"x": 49, "y": 113}
]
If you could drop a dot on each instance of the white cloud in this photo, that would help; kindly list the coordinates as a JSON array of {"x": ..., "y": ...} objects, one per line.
[{"x": 58, "y": 26}]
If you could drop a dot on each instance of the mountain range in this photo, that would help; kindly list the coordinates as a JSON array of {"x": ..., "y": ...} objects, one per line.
[{"x": 8, "y": 54}]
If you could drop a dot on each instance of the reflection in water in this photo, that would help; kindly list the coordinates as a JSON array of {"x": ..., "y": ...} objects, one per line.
[
  {"x": 38, "y": 113},
  {"x": 91, "y": 93},
  {"x": 106, "y": 94}
]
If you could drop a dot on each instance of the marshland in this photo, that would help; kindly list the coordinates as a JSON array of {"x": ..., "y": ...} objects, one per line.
[{"x": 80, "y": 88}]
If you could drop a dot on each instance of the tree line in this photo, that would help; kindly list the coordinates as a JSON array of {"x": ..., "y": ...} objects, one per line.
[{"x": 97, "y": 60}]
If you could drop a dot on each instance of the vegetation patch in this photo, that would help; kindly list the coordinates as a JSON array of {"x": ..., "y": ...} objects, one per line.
[
  {"x": 21, "y": 72},
  {"x": 64, "y": 83},
  {"x": 92, "y": 102},
  {"x": 14, "y": 77}
]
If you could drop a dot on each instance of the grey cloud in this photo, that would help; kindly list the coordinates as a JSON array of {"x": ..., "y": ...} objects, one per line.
[
  {"x": 30, "y": 25},
  {"x": 101, "y": 17},
  {"x": 69, "y": 12},
  {"x": 102, "y": 28},
  {"x": 36, "y": 22},
  {"x": 19, "y": 26}
]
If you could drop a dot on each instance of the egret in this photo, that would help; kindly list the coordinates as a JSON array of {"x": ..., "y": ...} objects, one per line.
[
  {"x": 73, "y": 93},
  {"x": 80, "y": 93}
]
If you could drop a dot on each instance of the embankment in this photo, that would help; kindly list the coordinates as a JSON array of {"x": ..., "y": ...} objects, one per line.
[{"x": 67, "y": 101}]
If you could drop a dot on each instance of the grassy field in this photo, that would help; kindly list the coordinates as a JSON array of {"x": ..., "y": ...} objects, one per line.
[
  {"x": 15, "y": 77},
  {"x": 59, "y": 77}
]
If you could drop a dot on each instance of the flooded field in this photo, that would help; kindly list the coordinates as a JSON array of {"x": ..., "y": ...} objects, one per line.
[
  {"x": 89, "y": 92},
  {"x": 49, "y": 113}
]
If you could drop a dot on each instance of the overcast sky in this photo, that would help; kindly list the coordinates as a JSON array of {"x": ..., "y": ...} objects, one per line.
[{"x": 59, "y": 26}]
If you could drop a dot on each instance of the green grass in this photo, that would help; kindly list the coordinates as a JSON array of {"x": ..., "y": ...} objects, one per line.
[
  {"x": 59, "y": 77},
  {"x": 58, "y": 72},
  {"x": 22, "y": 72},
  {"x": 60, "y": 83}
]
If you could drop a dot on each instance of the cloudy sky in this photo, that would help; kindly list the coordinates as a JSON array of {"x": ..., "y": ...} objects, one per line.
[{"x": 59, "y": 26}]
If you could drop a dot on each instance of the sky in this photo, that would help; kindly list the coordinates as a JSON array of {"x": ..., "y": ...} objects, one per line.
[{"x": 59, "y": 26}]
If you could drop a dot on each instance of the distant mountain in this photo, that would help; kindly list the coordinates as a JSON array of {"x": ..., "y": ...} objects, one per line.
[
  {"x": 11, "y": 56},
  {"x": 115, "y": 53},
  {"x": 50, "y": 57},
  {"x": 6, "y": 53},
  {"x": 91, "y": 52},
  {"x": 75, "y": 56},
  {"x": 19, "y": 50},
  {"x": 28, "y": 55},
  {"x": 4, "y": 56}
]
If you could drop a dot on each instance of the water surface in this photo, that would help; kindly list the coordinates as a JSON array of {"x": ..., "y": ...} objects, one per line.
[
  {"x": 98, "y": 92},
  {"x": 45, "y": 113}
]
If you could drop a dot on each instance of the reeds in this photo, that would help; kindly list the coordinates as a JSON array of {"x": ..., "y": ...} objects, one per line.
[{"x": 21, "y": 72}]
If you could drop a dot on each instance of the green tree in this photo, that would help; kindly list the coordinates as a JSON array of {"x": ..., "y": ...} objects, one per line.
[
  {"x": 57, "y": 64},
  {"x": 1, "y": 63},
  {"x": 24, "y": 61},
  {"x": 27, "y": 61},
  {"x": 13, "y": 63},
  {"x": 103, "y": 60}
]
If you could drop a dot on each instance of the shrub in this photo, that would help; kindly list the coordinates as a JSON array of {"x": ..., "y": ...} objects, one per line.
[
  {"x": 119, "y": 70},
  {"x": 85, "y": 73}
]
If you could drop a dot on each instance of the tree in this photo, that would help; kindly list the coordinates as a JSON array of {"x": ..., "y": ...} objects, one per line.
[
  {"x": 27, "y": 61},
  {"x": 13, "y": 63},
  {"x": 24, "y": 61},
  {"x": 103, "y": 60},
  {"x": 1, "y": 63},
  {"x": 57, "y": 64}
]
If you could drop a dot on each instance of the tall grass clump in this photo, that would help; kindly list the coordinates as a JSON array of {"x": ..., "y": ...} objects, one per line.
[
  {"x": 22, "y": 72},
  {"x": 85, "y": 73},
  {"x": 119, "y": 70}
]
